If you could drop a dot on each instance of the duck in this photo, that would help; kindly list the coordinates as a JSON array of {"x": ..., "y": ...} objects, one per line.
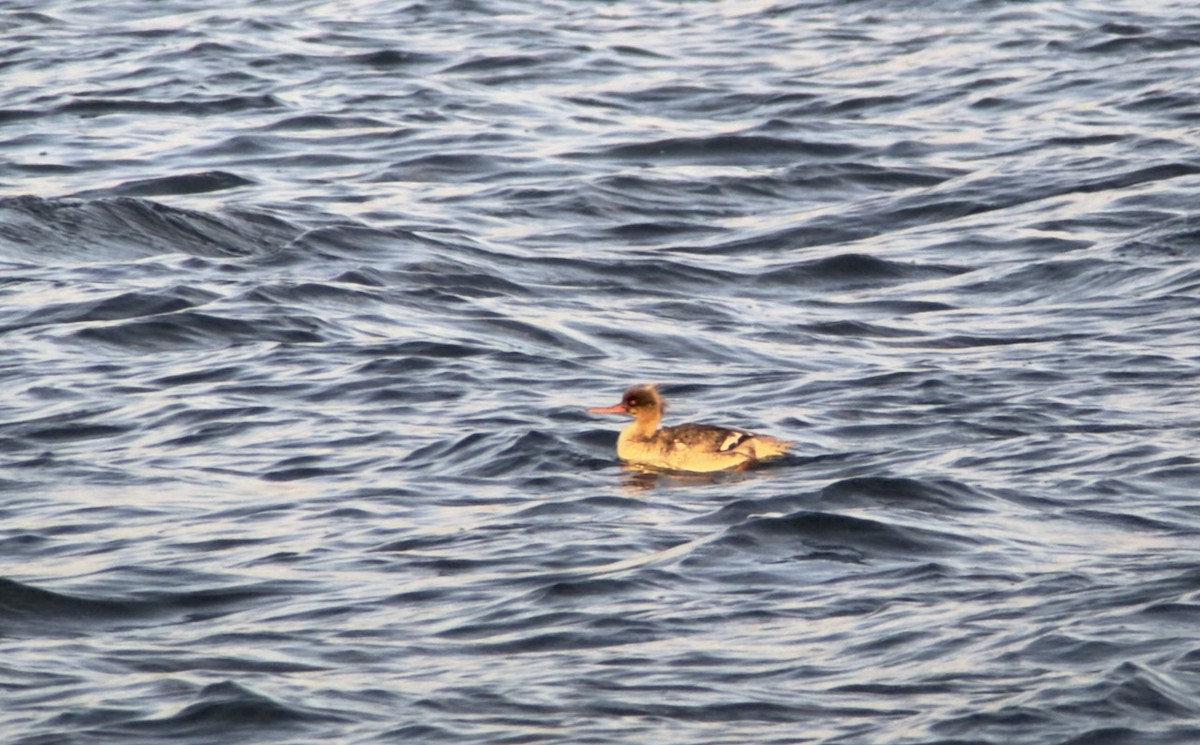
[{"x": 698, "y": 448}]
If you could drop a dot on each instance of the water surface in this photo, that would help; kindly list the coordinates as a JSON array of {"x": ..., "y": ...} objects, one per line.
[{"x": 302, "y": 304}]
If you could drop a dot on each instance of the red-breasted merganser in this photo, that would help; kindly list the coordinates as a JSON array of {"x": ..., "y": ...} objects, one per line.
[{"x": 684, "y": 447}]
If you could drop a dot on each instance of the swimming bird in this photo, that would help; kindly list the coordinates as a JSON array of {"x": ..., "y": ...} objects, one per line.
[{"x": 684, "y": 447}]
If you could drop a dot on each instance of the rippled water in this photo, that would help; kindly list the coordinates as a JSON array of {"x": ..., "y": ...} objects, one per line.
[{"x": 302, "y": 303}]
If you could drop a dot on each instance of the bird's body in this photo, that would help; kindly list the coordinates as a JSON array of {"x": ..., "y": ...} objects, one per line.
[{"x": 684, "y": 447}]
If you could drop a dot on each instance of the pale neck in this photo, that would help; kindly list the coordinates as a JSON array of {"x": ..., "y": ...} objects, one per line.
[{"x": 647, "y": 421}]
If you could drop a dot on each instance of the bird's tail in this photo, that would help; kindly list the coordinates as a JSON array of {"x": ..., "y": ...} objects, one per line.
[{"x": 766, "y": 446}]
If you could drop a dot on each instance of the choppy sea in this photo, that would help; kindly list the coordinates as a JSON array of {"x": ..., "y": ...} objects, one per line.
[{"x": 302, "y": 303}]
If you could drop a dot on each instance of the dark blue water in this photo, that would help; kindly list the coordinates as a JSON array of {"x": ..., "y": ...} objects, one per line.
[{"x": 301, "y": 304}]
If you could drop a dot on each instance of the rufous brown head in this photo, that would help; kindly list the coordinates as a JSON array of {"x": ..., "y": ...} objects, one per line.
[{"x": 638, "y": 399}]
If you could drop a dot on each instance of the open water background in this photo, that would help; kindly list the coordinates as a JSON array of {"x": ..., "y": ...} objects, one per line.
[{"x": 301, "y": 303}]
